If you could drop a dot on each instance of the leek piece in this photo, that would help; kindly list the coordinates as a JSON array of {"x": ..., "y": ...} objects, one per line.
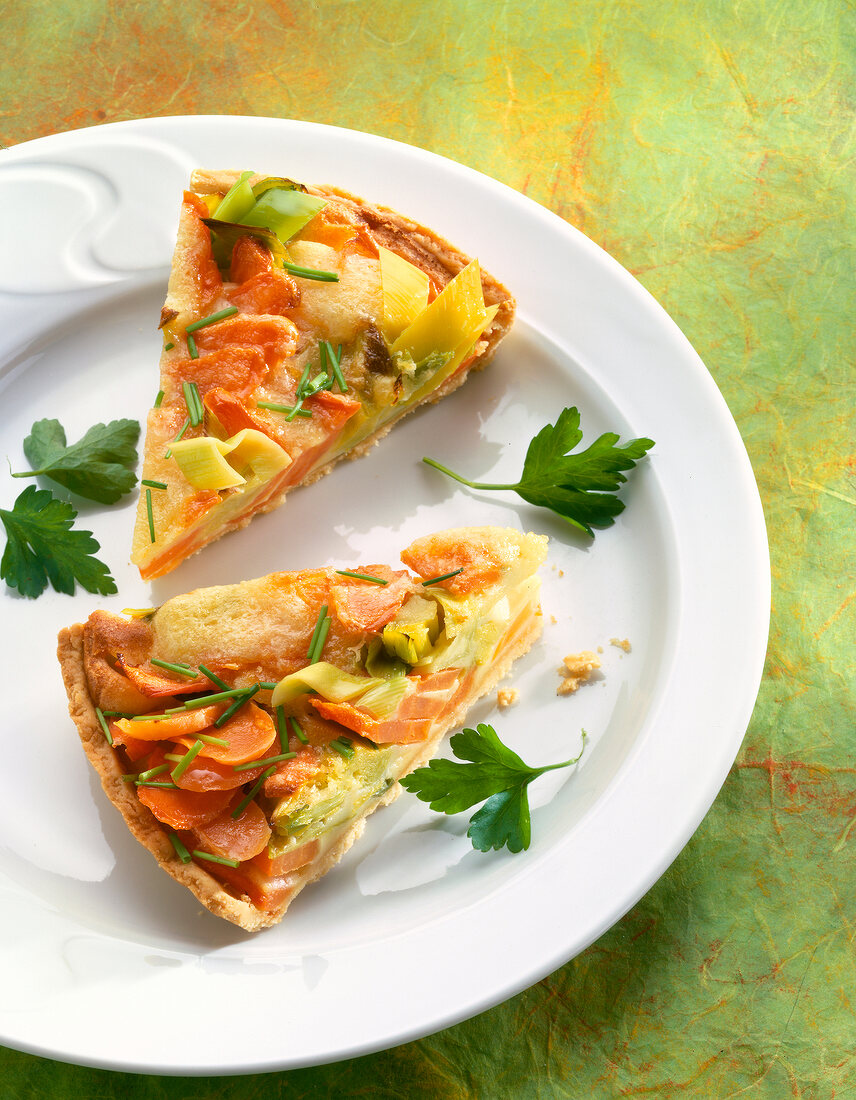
[
  {"x": 285, "y": 212},
  {"x": 382, "y": 698},
  {"x": 257, "y": 451},
  {"x": 326, "y": 679},
  {"x": 405, "y": 293},
  {"x": 203, "y": 463},
  {"x": 237, "y": 201}
]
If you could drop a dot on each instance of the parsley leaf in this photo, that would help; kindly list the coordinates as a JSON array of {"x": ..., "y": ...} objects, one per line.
[
  {"x": 99, "y": 466},
  {"x": 41, "y": 547},
  {"x": 494, "y": 773},
  {"x": 578, "y": 487}
]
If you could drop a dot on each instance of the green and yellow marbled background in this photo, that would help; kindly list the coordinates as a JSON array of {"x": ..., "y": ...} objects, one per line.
[{"x": 710, "y": 148}]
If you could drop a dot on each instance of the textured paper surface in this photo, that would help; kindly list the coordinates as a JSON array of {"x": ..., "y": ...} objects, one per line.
[{"x": 709, "y": 146}]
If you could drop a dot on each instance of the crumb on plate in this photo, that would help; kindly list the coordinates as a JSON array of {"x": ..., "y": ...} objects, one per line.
[
  {"x": 578, "y": 668},
  {"x": 507, "y": 697},
  {"x": 621, "y": 643}
]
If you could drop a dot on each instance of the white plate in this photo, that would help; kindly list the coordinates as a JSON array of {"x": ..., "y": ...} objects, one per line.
[{"x": 105, "y": 960}]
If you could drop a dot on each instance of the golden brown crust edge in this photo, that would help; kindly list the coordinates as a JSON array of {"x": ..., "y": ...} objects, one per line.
[{"x": 151, "y": 834}]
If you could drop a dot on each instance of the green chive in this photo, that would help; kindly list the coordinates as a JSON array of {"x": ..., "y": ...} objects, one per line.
[
  {"x": 209, "y": 740},
  {"x": 254, "y": 790},
  {"x": 150, "y": 514},
  {"x": 280, "y": 726},
  {"x": 361, "y": 576},
  {"x": 215, "y": 859},
  {"x": 343, "y": 747},
  {"x": 239, "y": 702},
  {"x": 185, "y": 762},
  {"x": 267, "y": 685},
  {"x": 102, "y": 722},
  {"x": 163, "y": 786},
  {"x": 184, "y": 428},
  {"x": 153, "y": 484},
  {"x": 193, "y": 402},
  {"x": 214, "y": 679},
  {"x": 274, "y": 407},
  {"x": 319, "y": 635},
  {"x": 298, "y": 732},
  {"x": 264, "y": 763},
  {"x": 180, "y": 850},
  {"x": 311, "y": 273},
  {"x": 152, "y": 773},
  {"x": 117, "y": 714},
  {"x": 210, "y": 320},
  {"x": 191, "y": 347},
  {"x": 158, "y": 399},
  {"x": 444, "y": 577},
  {"x": 182, "y": 670},
  {"x": 176, "y": 756},
  {"x": 217, "y": 697},
  {"x": 155, "y": 717},
  {"x": 169, "y": 346},
  {"x": 335, "y": 359}
]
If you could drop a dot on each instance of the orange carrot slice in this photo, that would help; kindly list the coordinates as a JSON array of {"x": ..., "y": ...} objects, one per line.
[
  {"x": 250, "y": 734},
  {"x": 184, "y": 809},
  {"x": 277, "y": 336},
  {"x": 204, "y": 774},
  {"x": 178, "y": 725},
  {"x": 239, "y": 369},
  {"x": 235, "y": 838},
  {"x": 155, "y": 684},
  {"x": 361, "y": 605},
  {"x": 290, "y": 861}
]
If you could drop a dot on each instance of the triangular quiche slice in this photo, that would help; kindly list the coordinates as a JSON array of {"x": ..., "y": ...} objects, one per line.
[
  {"x": 300, "y": 324},
  {"x": 246, "y": 731}
]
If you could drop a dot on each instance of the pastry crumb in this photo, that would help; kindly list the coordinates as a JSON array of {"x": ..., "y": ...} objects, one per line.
[
  {"x": 621, "y": 643},
  {"x": 578, "y": 668},
  {"x": 507, "y": 697}
]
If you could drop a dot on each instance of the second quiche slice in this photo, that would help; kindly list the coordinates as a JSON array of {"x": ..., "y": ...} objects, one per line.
[
  {"x": 245, "y": 732},
  {"x": 300, "y": 324}
]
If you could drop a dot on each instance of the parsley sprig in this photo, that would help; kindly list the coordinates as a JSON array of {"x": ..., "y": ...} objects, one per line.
[
  {"x": 578, "y": 487},
  {"x": 41, "y": 547},
  {"x": 99, "y": 466},
  {"x": 494, "y": 773}
]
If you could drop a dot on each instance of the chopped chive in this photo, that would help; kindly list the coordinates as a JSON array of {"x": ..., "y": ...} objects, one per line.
[
  {"x": 322, "y": 615},
  {"x": 156, "y": 783},
  {"x": 343, "y": 747},
  {"x": 152, "y": 773},
  {"x": 169, "y": 346},
  {"x": 102, "y": 722},
  {"x": 264, "y": 763},
  {"x": 209, "y": 740},
  {"x": 180, "y": 850},
  {"x": 185, "y": 762},
  {"x": 182, "y": 670},
  {"x": 158, "y": 399},
  {"x": 267, "y": 685},
  {"x": 444, "y": 577},
  {"x": 150, "y": 515},
  {"x": 117, "y": 714},
  {"x": 274, "y": 407},
  {"x": 154, "y": 484},
  {"x": 335, "y": 359},
  {"x": 298, "y": 732},
  {"x": 215, "y": 859},
  {"x": 311, "y": 273},
  {"x": 210, "y": 320},
  {"x": 193, "y": 402},
  {"x": 254, "y": 790},
  {"x": 176, "y": 756},
  {"x": 281, "y": 728},
  {"x": 236, "y": 706},
  {"x": 214, "y": 679},
  {"x": 191, "y": 347},
  {"x": 183, "y": 429},
  {"x": 155, "y": 717},
  {"x": 319, "y": 635},
  {"x": 361, "y": 576},
  {"x": 217, "y": 697}
]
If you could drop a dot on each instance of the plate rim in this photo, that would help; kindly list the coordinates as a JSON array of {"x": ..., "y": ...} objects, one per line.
[{"x": 755, "y": 528}]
